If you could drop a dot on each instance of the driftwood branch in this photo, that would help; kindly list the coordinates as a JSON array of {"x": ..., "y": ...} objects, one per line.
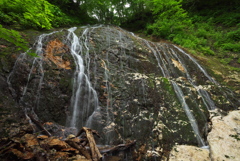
[
  {"x": 96, "y": 155},
  {"x": 39, "y": 125},
  {"x": 83, "y": 130},
  {"x": 81, "y": 149},
  {"x": 6, "y": 147},
  {"x": 70, "y": 147},
  {"x": 118, "y": 147}
]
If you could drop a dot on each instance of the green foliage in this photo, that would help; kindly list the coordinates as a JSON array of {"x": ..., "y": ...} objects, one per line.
[
  {"x": 32, "y": 14},
  {"x": 235, "y": 137},
  {"x": 206, "y": 27},
  {"x": 235, "y": 47},
  {"x": 170, "y": 18},
  {"x": 238, "y": 60},
  {"x": 200, "y": 26},
  {"x": 226, "y": 61},
  {"x": 14, "y": 37},
  {"x": 68, "y": 12},
  {"x": 234, "y": 35},
  {"x": 36, "y": 14},
  {"x": 113, "y": 11},
  {"x": 61, "y": 19},
  {"x": 222, "y": 12}
]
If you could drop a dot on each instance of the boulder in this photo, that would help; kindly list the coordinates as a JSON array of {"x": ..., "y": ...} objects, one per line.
[
  {"x": 187, "y": 153},
  {"x": 224, "y": 139}
]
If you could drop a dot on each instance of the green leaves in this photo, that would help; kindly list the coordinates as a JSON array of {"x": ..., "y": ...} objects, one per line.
[
  {"x": 165, "y": 6},
  {"x": 36, "y": 14},
  {"x": 32, "y": 54},
  {"x": 13, "y": 37},
  {"x": 170, "y": 18}
]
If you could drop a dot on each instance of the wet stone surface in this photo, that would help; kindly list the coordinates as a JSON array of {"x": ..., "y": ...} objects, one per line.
[{"x": 123, "y": 86}]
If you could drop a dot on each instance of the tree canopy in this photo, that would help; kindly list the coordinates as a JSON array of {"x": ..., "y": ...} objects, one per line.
[
  {"x": 45, "y": 14},
  {"x": 199, "y": 25}
]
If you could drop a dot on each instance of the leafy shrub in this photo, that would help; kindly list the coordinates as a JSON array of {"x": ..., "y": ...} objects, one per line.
[
  {"x": 206, "y": 50},
  {"x": 226, "y": 61},
  {"x": 238, "y": 60},
  {"x": 32, "y": 14},
  {"x": 201, "y": 32},
  {"x": 234, "y": 35},
  {"x": 229, "y": 18},
  {"x": 235, "y": 47},
  {"x": 13, "y": 37},
  {"x": 36, "y": 14},
  {"x": 185, "y": 40},
  {"x": 170, "y": 18}
]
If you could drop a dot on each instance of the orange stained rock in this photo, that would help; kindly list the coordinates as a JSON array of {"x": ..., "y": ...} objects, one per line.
[
  {"x": 54, "y": 52},
  {"x": 178, "y": 65}
]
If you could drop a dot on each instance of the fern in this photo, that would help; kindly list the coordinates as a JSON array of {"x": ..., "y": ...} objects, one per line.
[
  {"x": 36, "y": 14},
  {"x": 13, "y": 37},
  {"x": 170, "y": 18}
]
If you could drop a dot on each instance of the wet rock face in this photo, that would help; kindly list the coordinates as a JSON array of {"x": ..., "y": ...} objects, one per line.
[
  {"x": 10, "y": 114},
  {"x": 44, "y": 84},
  {"x": 154, "y": 93},
  {"x": 223, "y": 141}
]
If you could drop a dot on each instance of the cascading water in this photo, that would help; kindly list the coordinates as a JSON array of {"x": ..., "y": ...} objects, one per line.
[
  {"x": 198, "y": 65},
  {"x": 189, "y": 114},
  {"x": 164, "y": 63},
  {"x": 82, "y": 88},
  {"x": 204, "y": 95},
  {"x": 112, "y": 81},
  {"x": 36, "y": 66}
]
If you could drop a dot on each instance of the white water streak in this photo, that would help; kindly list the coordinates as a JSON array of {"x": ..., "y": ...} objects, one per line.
[
  {"x": 189, "y": 114},
  {"x": 79, "y": 109},
  {"x": 204, "y": 95},
  {"x": 199, "y": 66}
]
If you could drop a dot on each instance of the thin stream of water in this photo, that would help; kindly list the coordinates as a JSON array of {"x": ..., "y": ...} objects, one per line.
[
  {"x": 81, "y": 84},
  {"x": 84, "y": 99}
]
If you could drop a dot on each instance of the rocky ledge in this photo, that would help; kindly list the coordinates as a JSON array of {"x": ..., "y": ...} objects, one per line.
[{"x": 224, "y": 141}]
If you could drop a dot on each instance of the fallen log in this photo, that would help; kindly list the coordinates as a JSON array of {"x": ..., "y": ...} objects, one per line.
[
  {"x": 39, "y": 125},
  {"x": 119, "y": 147},
  {"x": 84, "y": 130},
  {"x": 96, "y": 155},
  {"x": 7, "y": 146},
  {"x": 33, "y": 146},
  {"x": 81, "y": 149}
]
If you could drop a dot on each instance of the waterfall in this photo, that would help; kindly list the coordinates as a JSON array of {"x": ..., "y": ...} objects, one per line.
[
  {"x": 198, "y": 65},
  {"x": 164, "y": 63},
  {"x": 81, "y": 83},
  {"x": 35, "y": 65},
  {"x": 189, "y": 114},
  {"x": 203, "y": 93},
  {"x": 119, "y": 84}
]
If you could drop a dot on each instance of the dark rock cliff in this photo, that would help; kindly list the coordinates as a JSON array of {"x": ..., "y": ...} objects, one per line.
[{"x": 138, "y": 86}]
